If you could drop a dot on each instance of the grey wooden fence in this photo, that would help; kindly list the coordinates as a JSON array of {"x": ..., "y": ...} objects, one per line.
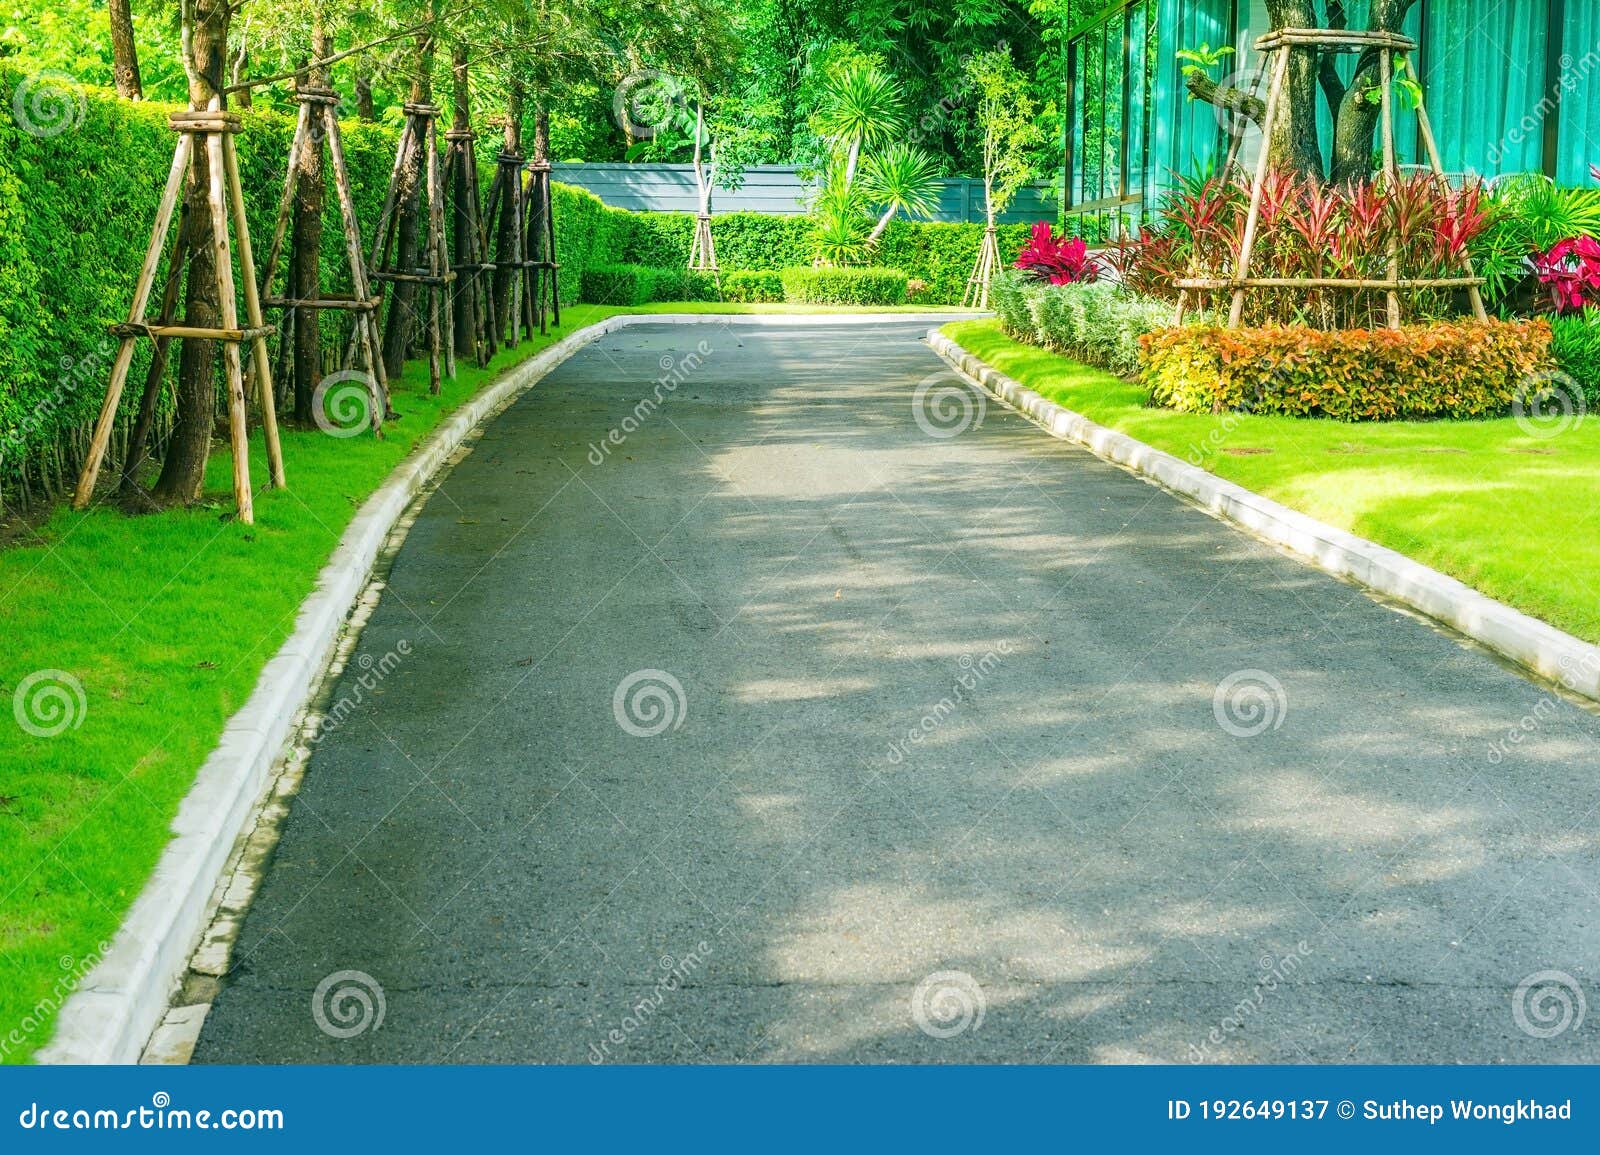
[{"x": 772, "y": 189}]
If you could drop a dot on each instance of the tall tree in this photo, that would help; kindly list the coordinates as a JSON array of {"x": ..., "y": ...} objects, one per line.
[
  {"x": 183, "y": 470},
  {"x": 305, "y": 269},
  {"x": 1296, "y": 143},
  {"x": 124, "y": 51}
]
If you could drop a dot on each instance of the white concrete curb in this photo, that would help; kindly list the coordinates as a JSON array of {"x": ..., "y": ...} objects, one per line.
[
  {"x": 112, "y": 1014},
  {"x": 1558, "y": 656}
]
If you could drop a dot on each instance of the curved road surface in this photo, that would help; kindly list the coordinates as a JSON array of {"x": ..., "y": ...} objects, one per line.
[{"x": 950, "y": 776}]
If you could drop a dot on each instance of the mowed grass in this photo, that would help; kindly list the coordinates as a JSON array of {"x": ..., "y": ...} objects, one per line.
[
  {"x": 165, "y": 621},
  {"x": 1509, "y": 513}
]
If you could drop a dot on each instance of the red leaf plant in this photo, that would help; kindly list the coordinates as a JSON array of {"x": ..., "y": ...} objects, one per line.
[
  {"x": 1060, "y": 261},
  {"x": 1572, "y": 271}
]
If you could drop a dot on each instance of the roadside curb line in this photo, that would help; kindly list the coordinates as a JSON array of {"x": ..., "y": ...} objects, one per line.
[
  {"x": 118, "y": 1006},
  {"x": 1551, "y": 653}
]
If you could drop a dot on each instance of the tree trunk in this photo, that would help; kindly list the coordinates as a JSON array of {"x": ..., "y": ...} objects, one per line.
[
  {"x": 124, "y": 51},
  {"x": 305, "y": 270},
  {"x": 1357, "y": 117},
  {"x": 183, "y": 470},
  {"x": 365, "y": 109},
  {"x": 464, "y": 214},
  {"x": 541, "y": 134},
  {"x": 506, "y": 237},
  {"x": 400, "y": 325},
  {"x": 1296, "y": 143}
]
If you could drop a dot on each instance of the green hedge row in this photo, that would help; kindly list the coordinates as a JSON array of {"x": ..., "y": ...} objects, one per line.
[
  {"x": 75, "y": 213},
  {"x": 1098, "y": 323},
  {"x": 844, "y": 286},
  {"x": 76, "y": 207},
  {"x": 640, "y": 284}
]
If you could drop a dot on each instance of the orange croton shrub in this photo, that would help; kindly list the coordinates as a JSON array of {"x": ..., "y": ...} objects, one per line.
[{"x": 1457, "y": 369}]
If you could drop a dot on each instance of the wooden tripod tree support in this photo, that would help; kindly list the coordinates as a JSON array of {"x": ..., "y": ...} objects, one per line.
[
  {"x": 983, "y": 270},
  {"x": 471, "y": 266},
  {"x": 1278, "y": 46},
  {"x": 540, "y": 246},
  {"x": 703, "y": 250},
  {"x": 419, "y": 141},
  {"x": 319, "y": 121},
  {"x": 507, "y": 197},
  {"x": 212, "y": 129}
]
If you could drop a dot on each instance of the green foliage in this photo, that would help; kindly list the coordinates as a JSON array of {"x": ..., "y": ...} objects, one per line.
[
  {"x": 838, "y": 286},
  {"x": 75, "y": 214},
  {"x": 1529, "y": 214},
  {"x": 1097, "y": 323},
  {"x": 1466, "y": 370},
  {"x": 1009, "y": 122},
  {"x": 1576, "y": 348},
  {"x": 753, "y": 286},
  {"x": 622, "y": 285}
]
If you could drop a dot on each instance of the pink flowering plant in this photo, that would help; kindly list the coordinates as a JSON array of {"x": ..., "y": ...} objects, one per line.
[
  {"x": 1571, "y": 271},
  {"x": 1058, "y": 260}
]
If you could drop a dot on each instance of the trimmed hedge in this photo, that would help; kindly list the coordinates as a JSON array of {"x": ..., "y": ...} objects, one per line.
[
  {"x": 1098, "y": 323},
  {"x": 1459, "y": 370},
  {"x": 845, "y": 286},
  {"x": 75, "y": 216},
  {"x": 640, "y": 285},
  {"x": 760, "y": 286}
]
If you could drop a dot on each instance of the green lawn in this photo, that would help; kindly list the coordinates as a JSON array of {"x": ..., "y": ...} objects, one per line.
[{"x": 1510, "y": 514}]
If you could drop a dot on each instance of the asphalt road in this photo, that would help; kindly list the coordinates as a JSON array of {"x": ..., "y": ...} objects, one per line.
[{"x": 972, "y": 748}]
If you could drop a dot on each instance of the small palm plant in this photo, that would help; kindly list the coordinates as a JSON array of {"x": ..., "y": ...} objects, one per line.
[
  {"x": 902, "y": 178},
  {"x": 839, "y": 236},
  {"x": 862, "y": 108}
]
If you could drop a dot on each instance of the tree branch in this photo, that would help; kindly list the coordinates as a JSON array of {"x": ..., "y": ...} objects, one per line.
[{"x": 1245, "y": 104}]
